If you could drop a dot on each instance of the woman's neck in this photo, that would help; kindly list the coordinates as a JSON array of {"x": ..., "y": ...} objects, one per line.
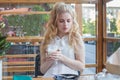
[{"x": 61, "y": 35}]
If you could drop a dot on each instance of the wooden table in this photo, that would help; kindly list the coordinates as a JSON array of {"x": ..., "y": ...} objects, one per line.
[
  {"x": 84, "y": 77},
  {"x": 41, "y": 78}
]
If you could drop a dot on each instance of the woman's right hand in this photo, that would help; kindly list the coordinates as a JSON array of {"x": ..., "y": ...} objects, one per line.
[
  {"x": 56, "y": 55},
  {"x": 49, "y": 58}
]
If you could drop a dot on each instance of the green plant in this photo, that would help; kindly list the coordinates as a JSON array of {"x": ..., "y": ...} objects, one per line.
[
  {"x": 88, "y": 26},
  {"x": 32, "y": 24},
  {"x": 4, "y": 45},
  {"x": 113, "y": 27}
]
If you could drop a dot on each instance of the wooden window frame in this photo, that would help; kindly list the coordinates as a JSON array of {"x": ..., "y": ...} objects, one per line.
[
  {"x": 100, "y": 39},
  {"x": 34, "y": 39}
]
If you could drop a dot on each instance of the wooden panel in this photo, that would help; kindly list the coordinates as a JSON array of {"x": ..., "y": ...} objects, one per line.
[
  {"x": 44, "y": 1},
  {"x": 35, "y": 39},
  {"x": 19, "y": 69},
  {"x": 18, "y": 66},
  {"x": 111, "y": 39},
  {"x": 90, "y": 39},
  {"x": 42, "y": 78},
  {"x": 25, "y": 39},
  {"x": 99, "y": 55},
  {"x": 19, "y": 63},
  {"x": 20, "y": 56},
  {"x": 7, "y": 78},
  {"x": 104, "y": 34},
  {"x": 78, "y": 8},
  {"x": 91, "y": 65},
  {"x": 1, "y": 57},
  {"x": 24, "y": 12}
]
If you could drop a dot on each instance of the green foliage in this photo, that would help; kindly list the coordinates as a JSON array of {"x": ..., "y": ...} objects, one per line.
[
  {"x": 4, "y": 45},
  {"x": 113, "y": 27},
  {"x": 32, "y": 24},
  {"x": 38, "y": 8},
  {"x": 88, "y": 27},
  {"x": 2, "y": 25},
  {"x": 116, "y": 45}
]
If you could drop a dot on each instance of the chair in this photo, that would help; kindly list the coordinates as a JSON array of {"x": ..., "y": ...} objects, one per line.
[{"x": 37, "y": 66}]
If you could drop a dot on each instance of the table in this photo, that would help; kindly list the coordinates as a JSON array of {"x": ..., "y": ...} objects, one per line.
[
  {"x": 41, "y": 78},
  {"x": 83, "y": 77}
]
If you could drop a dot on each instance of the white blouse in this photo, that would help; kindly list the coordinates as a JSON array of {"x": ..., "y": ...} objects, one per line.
[{"x": 58, "y": 67}]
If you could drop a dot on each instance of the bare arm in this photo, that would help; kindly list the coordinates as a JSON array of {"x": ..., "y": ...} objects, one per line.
[
  {"x": 79, "y": 62},
  {"x": 45, "y": 63}
]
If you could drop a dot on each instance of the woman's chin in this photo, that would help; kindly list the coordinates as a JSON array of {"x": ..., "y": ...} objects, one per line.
[{"x": 66, "y": 31}]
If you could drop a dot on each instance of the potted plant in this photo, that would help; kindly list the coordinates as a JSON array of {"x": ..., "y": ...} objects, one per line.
[{"x": 4, "y": 45}]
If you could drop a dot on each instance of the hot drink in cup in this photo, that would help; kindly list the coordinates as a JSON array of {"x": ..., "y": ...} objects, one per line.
[{"x": 52, "y": 49}]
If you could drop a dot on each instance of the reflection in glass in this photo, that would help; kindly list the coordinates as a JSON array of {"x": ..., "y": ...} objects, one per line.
[
  {"x": 28, "y": 25},
  {"x": 89, "y": 20},
  {"x": 22, "y": 19},
  {"x": 113, "y": 18},
  {"x": 89, "y": 71},
  {"x": 112, "y": 47},
  {"x": 90, "y": 50},
  {"x": 20, "y": 65},
  {"x": 89, "y": 31}
]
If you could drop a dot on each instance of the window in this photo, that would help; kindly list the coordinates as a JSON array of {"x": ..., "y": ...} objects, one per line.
[
  {"x": 101, "y": 35},
  {"x": 112, "y": 35}
]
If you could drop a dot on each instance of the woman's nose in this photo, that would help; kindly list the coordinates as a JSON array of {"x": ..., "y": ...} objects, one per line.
[{"x": 65, "y": 23}]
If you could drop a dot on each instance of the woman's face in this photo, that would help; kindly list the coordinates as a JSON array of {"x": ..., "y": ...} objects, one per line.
[{"x": 64, "y": 23}]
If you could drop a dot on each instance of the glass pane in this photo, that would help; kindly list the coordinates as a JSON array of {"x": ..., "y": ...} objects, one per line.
[
  {"x": 113, "y": 18},
  {"x": 112, "y": 47},
  {"x": 90, "y": 49},
  {"x": 88, "y": 20},
  {"x": 25, "y": 7},
  {"x": 25, "y": 25},
  {"x": 26, "y": 64},
  {"x": 33, "y": 25},
  {"x": 89, "y": 31},
  {"x": 89, "y": 71},
  {"x": 19, "y": 19}
]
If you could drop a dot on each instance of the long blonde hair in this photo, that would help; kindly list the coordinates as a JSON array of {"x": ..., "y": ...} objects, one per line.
[{"x": 51, "y": 32}]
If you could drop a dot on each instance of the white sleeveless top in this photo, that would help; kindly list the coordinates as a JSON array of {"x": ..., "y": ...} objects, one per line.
[{"x": 68, "y": 51}]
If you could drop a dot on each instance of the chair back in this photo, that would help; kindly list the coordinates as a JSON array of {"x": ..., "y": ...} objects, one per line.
[{"x": 37, "y": 66}]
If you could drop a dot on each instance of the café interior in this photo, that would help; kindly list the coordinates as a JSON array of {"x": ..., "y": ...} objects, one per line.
[{"x": 24, "y": 25}]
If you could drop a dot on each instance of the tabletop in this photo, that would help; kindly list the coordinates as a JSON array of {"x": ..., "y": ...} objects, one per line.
[
  {"x": 84, "y": 77},
  {"x": 41, "y": 78}
]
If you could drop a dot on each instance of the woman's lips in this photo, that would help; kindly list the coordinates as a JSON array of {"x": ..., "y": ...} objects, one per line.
[{"x": 64, "y": 28}]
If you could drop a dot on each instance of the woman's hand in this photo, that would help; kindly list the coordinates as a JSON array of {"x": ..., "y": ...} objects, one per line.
[{"x": 57, "y": 55}]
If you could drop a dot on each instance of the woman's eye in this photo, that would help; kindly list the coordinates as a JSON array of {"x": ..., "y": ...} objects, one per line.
[
  {"x": 61, "y": 21},
  {"x": 68, "y": 21}
]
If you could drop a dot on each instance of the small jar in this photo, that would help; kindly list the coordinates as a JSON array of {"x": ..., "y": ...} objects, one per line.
[{"x": 101, "y": 75}]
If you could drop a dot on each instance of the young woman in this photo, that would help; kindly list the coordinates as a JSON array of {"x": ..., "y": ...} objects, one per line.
[{"x": 62, "y": 50}]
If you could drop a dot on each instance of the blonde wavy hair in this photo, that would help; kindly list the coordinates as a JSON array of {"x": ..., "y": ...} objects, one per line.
[{"x": 52, "y": 30}]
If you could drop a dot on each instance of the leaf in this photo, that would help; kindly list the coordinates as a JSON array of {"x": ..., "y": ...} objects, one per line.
[
  {"x": 4, "y": 45},
  {"x": 2, "y": 38},
  {"x": 2, "y": 42}
]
